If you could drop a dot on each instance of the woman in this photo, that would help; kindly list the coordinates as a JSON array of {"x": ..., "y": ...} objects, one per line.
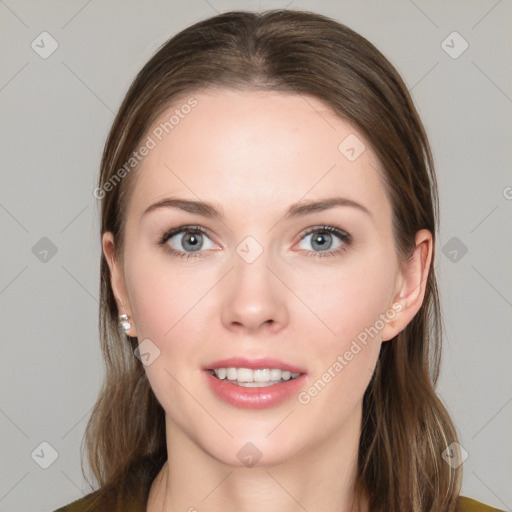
[{"x": 269, "y": 208}]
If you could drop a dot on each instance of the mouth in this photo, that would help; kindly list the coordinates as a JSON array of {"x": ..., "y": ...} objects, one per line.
[
  {"x": 253, "y": 378},
  {"x": 254, "y": 383}
]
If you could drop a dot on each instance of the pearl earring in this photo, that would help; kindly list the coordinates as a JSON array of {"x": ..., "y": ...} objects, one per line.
[{"x": 124, "y": 323}]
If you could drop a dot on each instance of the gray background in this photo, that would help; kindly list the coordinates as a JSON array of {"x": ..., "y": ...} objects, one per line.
[{"x": 56, "y": 113}]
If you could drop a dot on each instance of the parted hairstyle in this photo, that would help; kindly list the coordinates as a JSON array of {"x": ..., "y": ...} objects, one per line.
[{"x": 405, "y": 427}]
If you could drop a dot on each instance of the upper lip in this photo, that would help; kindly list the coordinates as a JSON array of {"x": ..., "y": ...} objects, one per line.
[{"x": 254, "y": 364}]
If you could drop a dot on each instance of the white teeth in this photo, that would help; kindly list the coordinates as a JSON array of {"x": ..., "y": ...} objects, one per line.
[
  {"x": 221, "y": 373},
  {"x": 244, "y": 375},
  {"x": 275, "y": 374},
  {"x": 261, "y": 375},
  {"x": 265, "y": 376}
]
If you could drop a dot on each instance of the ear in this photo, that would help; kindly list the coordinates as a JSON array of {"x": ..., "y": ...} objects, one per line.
[
  {"x": 411, "y": 285},
  {"x": 117, "y": 280}
]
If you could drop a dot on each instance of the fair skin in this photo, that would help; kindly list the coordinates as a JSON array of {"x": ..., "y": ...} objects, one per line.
[{"x": 253, "y": 154}]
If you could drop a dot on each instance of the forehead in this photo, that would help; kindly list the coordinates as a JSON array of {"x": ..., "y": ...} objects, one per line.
[{"x": 256, "y": 151}]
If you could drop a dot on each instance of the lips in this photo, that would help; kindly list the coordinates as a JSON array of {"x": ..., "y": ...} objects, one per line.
[{"x": 253, "y": 395}]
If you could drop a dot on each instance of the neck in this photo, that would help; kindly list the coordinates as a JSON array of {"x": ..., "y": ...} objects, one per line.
[{"x": 320, "y": 478}]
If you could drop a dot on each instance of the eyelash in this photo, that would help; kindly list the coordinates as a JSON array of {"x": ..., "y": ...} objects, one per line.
[{"x": 345, "y": 237}]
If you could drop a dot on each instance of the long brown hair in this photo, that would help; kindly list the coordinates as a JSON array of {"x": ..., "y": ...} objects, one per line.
[{"x": 405, "y": 426}]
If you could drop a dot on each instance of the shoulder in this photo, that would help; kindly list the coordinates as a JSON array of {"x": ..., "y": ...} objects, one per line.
[
  {"x": 127, "y": 494},
  {"x": 96, "y": 502},
  {"x": 469, "y": 505},
  {"x": 93, "y": 502},
  {"x": 89, "y": 503}
]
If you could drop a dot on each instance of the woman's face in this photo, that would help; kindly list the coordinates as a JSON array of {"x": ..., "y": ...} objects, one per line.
[{"x": 256, "y": 283}]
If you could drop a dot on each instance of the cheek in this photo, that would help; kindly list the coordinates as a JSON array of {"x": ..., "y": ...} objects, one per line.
[
  {"x": 172, "y": 307},
  {"x": 166, "y": 305},
  {"x": 161, "y": 295},
  {"x": 352, "y": 298},
  {"x": 351, "y": 303}
]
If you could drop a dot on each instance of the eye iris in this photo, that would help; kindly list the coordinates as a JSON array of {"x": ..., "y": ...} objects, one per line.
[
  {"x": 192, "y": 238},
  {"x": 324, "y": 238}
]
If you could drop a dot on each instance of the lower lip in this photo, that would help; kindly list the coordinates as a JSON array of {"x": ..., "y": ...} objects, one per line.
[{"x": 254, "y": 398}]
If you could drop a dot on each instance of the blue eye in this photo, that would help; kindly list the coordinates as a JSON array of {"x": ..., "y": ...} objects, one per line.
[
  {"x": 323, "y": 239},
  {"x": 188, "y": 240}
]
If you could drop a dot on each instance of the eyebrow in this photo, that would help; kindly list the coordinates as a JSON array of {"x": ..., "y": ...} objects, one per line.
[{"x": 298, "y": 209}]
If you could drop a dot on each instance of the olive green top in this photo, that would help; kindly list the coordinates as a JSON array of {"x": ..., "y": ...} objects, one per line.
[
  {"x": 470, "y": 505},
  {"x": 87, "y": 504}
]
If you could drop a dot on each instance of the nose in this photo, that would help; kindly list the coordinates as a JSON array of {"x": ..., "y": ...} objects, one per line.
[{"x": 254, "y": 298}]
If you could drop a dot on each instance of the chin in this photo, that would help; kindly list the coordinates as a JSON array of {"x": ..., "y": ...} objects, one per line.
[{"x": 256, "y": 450}]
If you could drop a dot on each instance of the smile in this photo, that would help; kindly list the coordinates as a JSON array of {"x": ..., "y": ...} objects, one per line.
[{"x": 257, "y": 378}]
